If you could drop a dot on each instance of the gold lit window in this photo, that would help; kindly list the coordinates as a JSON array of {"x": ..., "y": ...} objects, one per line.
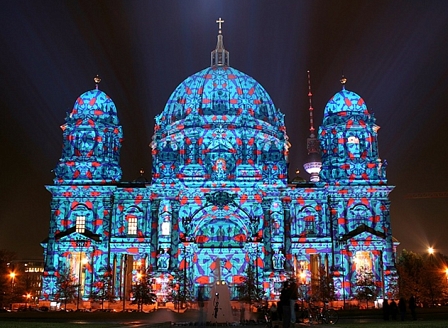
[
  {"x": 81, "y": 224},
  {"x": 132, "y": 225}
]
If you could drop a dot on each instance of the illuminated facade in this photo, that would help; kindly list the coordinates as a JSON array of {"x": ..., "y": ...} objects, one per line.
[{"x": 219, "y": 190}]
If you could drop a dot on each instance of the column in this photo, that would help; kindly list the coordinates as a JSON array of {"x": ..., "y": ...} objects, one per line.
[
  {"x": 154, "y": 233},
  {"x": 51, "y": 249},
  {"x": 266, "y": 205},
  {"x": 287, "y": 237},
  {"x": 174, "y": 261}
]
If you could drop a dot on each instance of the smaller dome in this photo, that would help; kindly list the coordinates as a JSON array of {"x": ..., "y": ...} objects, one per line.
[
  {"x": 345, "y": 101},
  {"x": 95, "y": 104}
]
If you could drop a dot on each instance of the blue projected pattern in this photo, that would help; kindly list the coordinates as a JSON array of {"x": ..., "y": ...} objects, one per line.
[
  {"x": 92, "y": 142},
  {"x": 219, "y": 195}
]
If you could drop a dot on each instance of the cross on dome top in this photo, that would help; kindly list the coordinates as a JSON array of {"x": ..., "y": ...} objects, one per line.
[
  {"x": 219, "y": 22},
  {"x": 219, "y": 56}
]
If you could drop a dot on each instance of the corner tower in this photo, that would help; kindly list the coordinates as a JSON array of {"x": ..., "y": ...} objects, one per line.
[
  {"x": 357, "y": 191},
  {"x": 92, "y": 141},
  {"x": 349, "y": 142},
  {"x": 77, "y": 247}
]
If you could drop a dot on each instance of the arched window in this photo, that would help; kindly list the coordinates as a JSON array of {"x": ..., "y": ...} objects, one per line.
[
  {"x": 132, "y": 222},
  {"x": 307, "y": 220},
  {"x": 132, "y": 225},
  {"x": 309, "y": 224},
  {"x": 353, "y": 146},
  {"x": 81, "y": 216},
  {"x": 80, "y": 223},
  {"x": 357, "y": 215},
  {"x": 165, "y": 227}
]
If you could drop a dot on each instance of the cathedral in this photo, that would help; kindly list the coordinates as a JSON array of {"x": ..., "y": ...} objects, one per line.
[{"x": 219, "y": 195}]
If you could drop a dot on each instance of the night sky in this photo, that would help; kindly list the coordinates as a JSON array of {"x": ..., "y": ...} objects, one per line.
[{"x": 393, "y": 53}]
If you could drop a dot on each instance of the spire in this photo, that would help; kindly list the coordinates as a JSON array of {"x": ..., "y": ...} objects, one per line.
[
  {"x": 312, "y": 144},
  {"x": 314, "y": 164},
  {"x": 219, "y": 56},
  {"x": 311, "y": 109}
]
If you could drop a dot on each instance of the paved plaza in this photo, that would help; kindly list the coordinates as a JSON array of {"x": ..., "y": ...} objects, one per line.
[{"x": 164, "y": 318}]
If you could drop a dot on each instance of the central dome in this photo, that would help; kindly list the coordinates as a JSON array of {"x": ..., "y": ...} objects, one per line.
[
  {"x": 219, "y": 91},
  {"x": 220, "y": 128}
]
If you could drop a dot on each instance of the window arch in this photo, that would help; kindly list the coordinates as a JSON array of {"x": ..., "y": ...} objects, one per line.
[
  {"x": 132, "y": 225},
  {"x": 307, "y": 219},
  {"x": 357, "y": 215},
  {"x": 133, "y": 221},
  {"x": 353, "y": 146},
  {"x": 165, "y": 226},
  {"x": 81, "y": 217}
]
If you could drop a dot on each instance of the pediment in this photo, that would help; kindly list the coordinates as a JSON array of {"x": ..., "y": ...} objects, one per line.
[
  {"x": 362, "y": 232},
  {"x": 71, "y": 235}
]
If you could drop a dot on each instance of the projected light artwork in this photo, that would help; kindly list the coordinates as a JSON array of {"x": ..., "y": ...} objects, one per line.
[{"x": 219, "y": 196}]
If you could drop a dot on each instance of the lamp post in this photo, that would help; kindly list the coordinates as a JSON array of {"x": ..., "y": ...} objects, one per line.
[
  {"x": 303, "y": 288},
  {"x": 446, "y": 277},
  {"x": 433, "y": 264},
  {"x": 124, "y": 273},
  {"x": 12, "y": 275},
  {"x": 431, "y": 252}
]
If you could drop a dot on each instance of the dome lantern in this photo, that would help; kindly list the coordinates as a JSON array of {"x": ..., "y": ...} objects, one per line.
[{"x": 219, "y": 56}]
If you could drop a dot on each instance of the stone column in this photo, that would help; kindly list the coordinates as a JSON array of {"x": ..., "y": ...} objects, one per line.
[
  {"x": 107, "y": 230},
  {"x": 267, "y": 225},
  {"x": 118, "y": 275},
  {"x": 287, "y": 237},
  {"x": 333, "y": 228},
  {"x": 50, "y": 258},
  {"x": 174, "y": 261},
  {"x": 154, "y": 233},
  {"x": 389, "y": 255}
]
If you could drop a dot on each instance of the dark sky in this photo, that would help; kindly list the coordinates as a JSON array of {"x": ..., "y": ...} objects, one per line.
[{"x": 393, "y": 53}]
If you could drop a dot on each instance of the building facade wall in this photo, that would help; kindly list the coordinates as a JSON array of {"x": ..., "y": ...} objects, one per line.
[{"x": 219, "y": 195}]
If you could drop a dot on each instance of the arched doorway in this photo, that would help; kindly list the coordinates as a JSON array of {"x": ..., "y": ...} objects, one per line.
[{"x": 219, "y": 233}]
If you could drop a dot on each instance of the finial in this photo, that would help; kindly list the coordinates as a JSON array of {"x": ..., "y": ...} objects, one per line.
[
  {"x": 343, "y": 81},
  {"x": 219, "y": 22},
  {"x": 311, "y": 109},
  {"x": 219, "y": 56},
  {"x": 97, "y": 80}
]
